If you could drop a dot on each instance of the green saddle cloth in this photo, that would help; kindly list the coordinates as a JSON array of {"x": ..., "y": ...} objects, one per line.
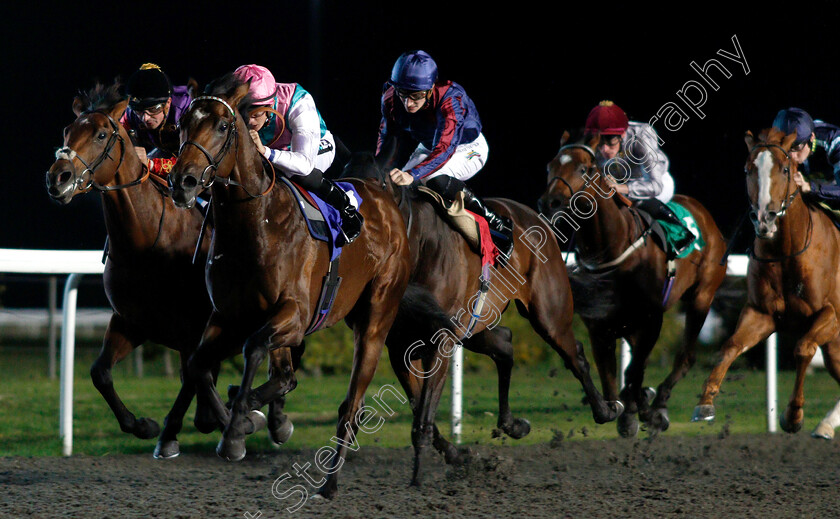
[{"x": 674, "y": 233}]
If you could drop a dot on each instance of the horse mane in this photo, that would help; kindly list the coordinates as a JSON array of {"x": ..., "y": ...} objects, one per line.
[
  {"x": 101, "y": 96},
  {"x": 225, "y": 85}
]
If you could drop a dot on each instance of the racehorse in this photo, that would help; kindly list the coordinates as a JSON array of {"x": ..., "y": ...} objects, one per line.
[
  {"x": 534, "y": 276},
  {"x": 611, "y": 241},
  {"x": 149, "y": 265},
  {"x": 793, "y": 277},
  {"x": 265, "y": 272}
]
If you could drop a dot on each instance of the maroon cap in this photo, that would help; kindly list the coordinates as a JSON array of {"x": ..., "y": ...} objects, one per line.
[{"x": 607, "y": 119}]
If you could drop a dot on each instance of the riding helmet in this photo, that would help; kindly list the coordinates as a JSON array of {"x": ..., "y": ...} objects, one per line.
[
  {"x": 795, "y": 120},
  {"x": 263, "y": 87},
  {"x": 414, "y": 71},
  {"x": 148, "y": 87},
  {"x": 607, "y": 119}
]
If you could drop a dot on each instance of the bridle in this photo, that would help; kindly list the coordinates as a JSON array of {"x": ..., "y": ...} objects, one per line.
[
  {"x": 90, "y": 169},
  {"x": 784, "y": 206},
  {"x": 213, "y": 162},
  {"x": 563, "y": 180}
]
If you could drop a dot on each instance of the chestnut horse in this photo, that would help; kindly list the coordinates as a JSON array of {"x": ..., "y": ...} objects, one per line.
[
  {"x": 793, "y": 278},
  {"x": 265, "y": 272},
  {"x": 610, "y": 240},
  {"x": 534, "y": 276},
  {"x": 150, "y": 259}
]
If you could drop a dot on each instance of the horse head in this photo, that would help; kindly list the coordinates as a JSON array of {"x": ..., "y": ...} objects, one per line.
[
  {"x": 210, "y": 129},
  {"x": 570, "y": 172},
  {"x": 769, "y": 185},
  {"x": 94, "y": 145}
]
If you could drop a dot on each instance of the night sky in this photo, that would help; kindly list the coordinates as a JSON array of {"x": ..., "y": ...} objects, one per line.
[{"x": 531, "y": 71}]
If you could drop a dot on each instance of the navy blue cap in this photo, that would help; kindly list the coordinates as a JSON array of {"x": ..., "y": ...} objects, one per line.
[
  {"x": 795, "y": 120},
  {"x": 414, "y": 71}
]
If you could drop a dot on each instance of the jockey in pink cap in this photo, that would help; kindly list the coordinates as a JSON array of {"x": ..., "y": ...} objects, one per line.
[{"x": 290, "y": 133}]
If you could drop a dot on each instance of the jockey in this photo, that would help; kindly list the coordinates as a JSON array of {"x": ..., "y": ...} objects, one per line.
[
  {"x": 304, "y": 149},
  {"x": 630, "y": 150},
  {"x": 154, "y": 108},
  {"x": 812, "y": 136},
  {"x": 443, "y": 120}
]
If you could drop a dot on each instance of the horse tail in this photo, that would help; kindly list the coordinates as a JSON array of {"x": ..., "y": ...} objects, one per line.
[
  {"x": 594, "y": 295},
  {"x": 418, "y": 319}
]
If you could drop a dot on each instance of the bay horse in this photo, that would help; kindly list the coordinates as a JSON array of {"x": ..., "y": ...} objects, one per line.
[
  {"x": 793, "y": 277},
  {"x": 534, "y": 276},
  {"x": 610, "y": 240},
  {"x": 149, "y": 265},
  {"x": 265, "y": 272}
]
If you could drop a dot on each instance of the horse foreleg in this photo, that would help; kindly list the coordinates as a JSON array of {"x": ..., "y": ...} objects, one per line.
[
  {"x": 753, "y": 326},
  {"x": 824, "y": 328},
  {"x": 603, "y": 353},
  {"x": 496, "y": 344},
  {"x": 657, "y": 416},
  {"x": 167, "y": 445},
  {"x": 281, "y": 380},
  {"x": 633, "y": 394},
  {"x": 118, "y": 343},
  {"x": 202, "y": 369}
]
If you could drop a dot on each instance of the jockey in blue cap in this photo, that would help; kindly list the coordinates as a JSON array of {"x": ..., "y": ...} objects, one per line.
[
  {"x": 443, "y": 120},
  {"x": 811, "y": 137}
]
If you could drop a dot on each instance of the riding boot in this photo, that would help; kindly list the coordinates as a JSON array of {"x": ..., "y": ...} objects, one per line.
[
  {"x": 663, "y": 212},
  {"x": 501, "y": 227},
  {"x": 351, "y": 220}
]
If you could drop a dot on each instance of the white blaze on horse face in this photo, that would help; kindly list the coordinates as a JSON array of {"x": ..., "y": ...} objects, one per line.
[
  {"x": 565, "y": 159},
  {"x": 764, "y": 163},
  {"x": 65, "y": 153}
]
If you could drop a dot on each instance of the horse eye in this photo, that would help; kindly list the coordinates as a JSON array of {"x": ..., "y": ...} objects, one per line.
[
  {"x": 101, "y": 136},
  {"x": 223, "y": 127}
]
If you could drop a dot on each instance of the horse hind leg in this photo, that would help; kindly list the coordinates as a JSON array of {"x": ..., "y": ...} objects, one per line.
[
  {"x": 831, "y": 354},
  {"x": 118, "y": 343},
  {"x": 634, "y": 394},
  {"x": 496, "y": 344},
  {"x": 167, "y": 446}
]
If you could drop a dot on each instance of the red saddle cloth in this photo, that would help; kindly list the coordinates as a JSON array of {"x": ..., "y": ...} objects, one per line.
[{"x": 489, "y": 251}]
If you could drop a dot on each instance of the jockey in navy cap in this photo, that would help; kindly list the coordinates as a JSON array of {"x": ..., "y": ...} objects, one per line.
[
  {"x": 812, "y": 137},
  {"x": 443, "y": 120}
]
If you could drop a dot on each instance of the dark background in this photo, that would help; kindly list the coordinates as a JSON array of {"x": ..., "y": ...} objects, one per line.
[{"x": 532, "y": 71}]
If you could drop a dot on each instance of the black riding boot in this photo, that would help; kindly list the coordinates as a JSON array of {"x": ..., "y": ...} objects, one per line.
[
  {"x": 502, "y": 225},
  {"x": 661, "y": 211},
  {"x": 351, "y": 220}
]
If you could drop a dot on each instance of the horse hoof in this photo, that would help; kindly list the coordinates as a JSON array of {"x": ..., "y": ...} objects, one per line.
[
  {"x": 789, "y": 427},
  {"x": 823, "y": 432},
  {"x": 231, "y": 450},
  {"x": 617, "y": 406},
  {"x": 146, "y": 429},
  {"x": 703, "y": 413},
  {"x": 627, "y": 425},
  {"x": 167, "y": 450},
  {"x": 282, "y": 434},
  {"x": 649, "y": 393},
  {"x": 659, "y": 419},
  {"x": 257, "y": 420},
  {"x": 520, "y": 428}
]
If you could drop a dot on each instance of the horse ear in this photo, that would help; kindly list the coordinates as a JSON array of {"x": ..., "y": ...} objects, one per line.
[
  {"x": 238, "y": 94},
  {"x": 565, "y": 137},
  {"x": 118, "y": 109},
  {"x": 192, "y": 88},
  {"x": 749, "y": 139},
  {"x": 78, "y": 106},
  {"x": 787, "y": 142}
]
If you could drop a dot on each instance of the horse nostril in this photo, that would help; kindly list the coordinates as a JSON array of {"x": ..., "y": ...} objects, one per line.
[
  {"x": 188, "y": 182},
  {"x": 64, "y": 177}
]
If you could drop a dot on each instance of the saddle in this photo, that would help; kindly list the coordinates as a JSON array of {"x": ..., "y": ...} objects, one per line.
[
  {"x": 666, "y": 234},
  {"x": 472, "y": 227}
]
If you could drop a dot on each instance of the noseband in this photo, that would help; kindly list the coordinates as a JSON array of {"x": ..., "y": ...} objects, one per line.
[{"x": 563, "y": 180}]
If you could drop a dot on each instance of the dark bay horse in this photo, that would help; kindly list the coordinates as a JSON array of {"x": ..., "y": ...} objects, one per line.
[
  {"x": 793, "y": 278},
  {"x": 443, "y": 261},
  {"x": 265, "y": 272},
  {"x": 149, "y": 267},
  {"x": 608, "y": 241}
]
